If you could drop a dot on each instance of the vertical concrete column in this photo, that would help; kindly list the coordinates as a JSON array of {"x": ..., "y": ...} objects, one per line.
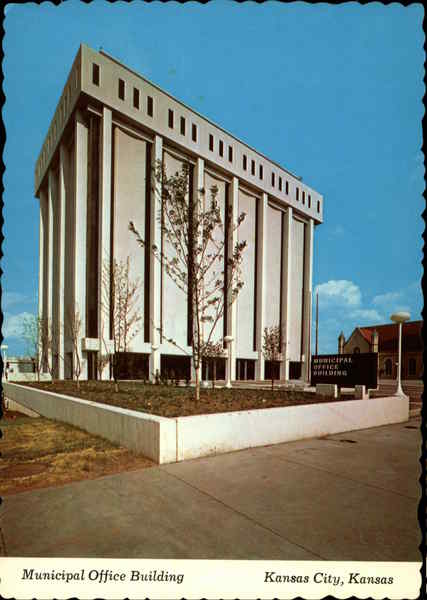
[
  {"x": 260, "y": 277},
  {"x": 61, "y": 258},
  {"x": 232, "y": 310},
  {"x": 308, "y": 280},
  {"x": 286, "y": 292},
  {"x": 198, "y": 184},
  {"x": 42, "y": 265},
  {"x": 155, "y": 266},
  {"x": 104, "y": 253},
  {"x": 50, "y": 259},
  {"x": 80, "y": 186}
]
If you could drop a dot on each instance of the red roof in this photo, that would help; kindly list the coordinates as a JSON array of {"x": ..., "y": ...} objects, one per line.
[{"x": 388, "y": 336}]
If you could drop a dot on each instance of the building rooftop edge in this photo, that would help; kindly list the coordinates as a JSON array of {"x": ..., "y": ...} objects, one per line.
[{"x": 109, "y": 56}]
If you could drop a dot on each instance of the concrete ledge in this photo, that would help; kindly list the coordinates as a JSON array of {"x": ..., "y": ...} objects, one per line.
[
  {"x": 12, "y": 405},
  {"x": 165, "y": 440},
  {"x": 214, "y": 434},
  {"x": 149, "y": 435}
]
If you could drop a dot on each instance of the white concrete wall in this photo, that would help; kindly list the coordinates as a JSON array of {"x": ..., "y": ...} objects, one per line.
[
  {"x": 297, "y": 277},
  {"x": 245, "y": 303},
  {"x": 151, "y": 436},
  {"x": 217, "y": 268},
  {"x": 174, "y": 300},
  {"x": 273, "y": 263},
  {"x": 130, "y": 205},
  {"x": 168, "y": 440},
  {"x": 226, "y": 432}
]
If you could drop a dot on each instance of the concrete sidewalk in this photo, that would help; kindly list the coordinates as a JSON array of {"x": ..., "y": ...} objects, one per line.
[{"x": 350, "y": 496}]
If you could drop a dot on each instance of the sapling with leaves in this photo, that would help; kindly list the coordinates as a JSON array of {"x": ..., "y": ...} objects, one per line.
[
  {"x": 120, "y": 303},
  {"x": 73, "y": 331},
  {"x": 197, "y": 255},
  {"x": 33, "y": 327},
  {"x": 271, "y": 347}
]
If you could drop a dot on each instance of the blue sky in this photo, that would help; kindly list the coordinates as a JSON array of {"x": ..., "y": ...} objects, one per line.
[{"x": 333, "y": 93}]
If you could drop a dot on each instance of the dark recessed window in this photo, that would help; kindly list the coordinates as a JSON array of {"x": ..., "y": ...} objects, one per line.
[
  {"x": 253, "y": 167},
  {"x": 309, "y": 201},
  {"x": 170, "y": 118},
  {"x": 221, "y": 148},
  {"x": 230, "y": 153},
  {"x": 135, "y": 98},
  {"x": 149, "y": 106},
  {"x": 261, "y": 172},
  {"x": 297, "y": 193},
  {"x": 121, "y": 89},
  {"x": 318, "y": 206},
  {"x": 287, "y": 187},
  {"x": 303, "y": 197},
  {"x": 182, "y": 126},
  {"x": 280, "y": 183},
  {"x": 273, "y": 179},
  {"x": 194, "y": 132},
  {"x": 245, "y": 162},
  {"x": 95, "y": 74},
  {"x": 211, "y": 142}
]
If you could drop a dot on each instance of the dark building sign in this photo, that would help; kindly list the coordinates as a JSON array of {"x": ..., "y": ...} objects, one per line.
[{"x": 346, "y": 370}]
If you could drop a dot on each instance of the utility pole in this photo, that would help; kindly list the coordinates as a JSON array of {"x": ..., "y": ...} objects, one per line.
[{"x": 317, "y": 323}]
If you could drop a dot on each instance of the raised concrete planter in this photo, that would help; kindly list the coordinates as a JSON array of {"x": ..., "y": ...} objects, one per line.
[
  {"x": 226, "y": 432},
  {"x": 12, "y": 405},
  {"x": 168, "y": 440},
  {"x": 151, "y": 436}
]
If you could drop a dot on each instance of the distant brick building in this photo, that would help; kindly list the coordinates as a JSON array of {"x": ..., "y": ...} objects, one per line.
[{"x": 384, "y": 340}]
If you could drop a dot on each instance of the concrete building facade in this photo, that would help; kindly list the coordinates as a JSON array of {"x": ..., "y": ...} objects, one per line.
[{"x": 94, "y": 174}]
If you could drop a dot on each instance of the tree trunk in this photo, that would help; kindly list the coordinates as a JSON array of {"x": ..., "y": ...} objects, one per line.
[
  {"x": 197, "y": 384},
  {"x": 214, "y": 373}
]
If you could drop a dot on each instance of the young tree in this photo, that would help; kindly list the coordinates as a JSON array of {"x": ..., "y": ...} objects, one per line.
[
  {"x": 103, "y": 358},
  {"x": 195, "y": 255},
  {"x": 120, "y": 303},
  {"x": 49, "y": 345},
  {"x": 73, "y": 331},
  {"x": 271, "y": 347},
  {"x": 32, "y": 334}
]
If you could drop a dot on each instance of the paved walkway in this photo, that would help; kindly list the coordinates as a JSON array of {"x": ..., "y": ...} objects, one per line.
[{"x": 351, "y": 496}]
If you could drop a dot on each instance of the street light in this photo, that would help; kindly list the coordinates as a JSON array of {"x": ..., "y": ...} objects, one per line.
[
  {"x": 400, "y": 318},
  {"x": 228, "y": 339}
]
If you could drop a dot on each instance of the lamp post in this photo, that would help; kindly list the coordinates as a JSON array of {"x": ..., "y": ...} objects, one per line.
[
  {"x": 400, "y": 318},
  {"x": 228, "y": 339}
]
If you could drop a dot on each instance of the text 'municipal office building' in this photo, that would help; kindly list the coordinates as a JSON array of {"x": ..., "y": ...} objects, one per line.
[{"x": 94, "y": 174}]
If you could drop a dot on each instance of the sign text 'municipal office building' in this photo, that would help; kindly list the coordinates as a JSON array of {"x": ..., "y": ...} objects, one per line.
[{"x": 94, "y": 175}]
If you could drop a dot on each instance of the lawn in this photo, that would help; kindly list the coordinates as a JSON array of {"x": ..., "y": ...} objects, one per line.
[
  {"x": 38, "y": 452},
  {"x": 176, "y": 401}
]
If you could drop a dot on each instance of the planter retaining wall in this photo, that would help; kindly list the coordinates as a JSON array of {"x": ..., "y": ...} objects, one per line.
[
  {"x": 166, "y": 440},
  {"x": 149, "y": 435}
]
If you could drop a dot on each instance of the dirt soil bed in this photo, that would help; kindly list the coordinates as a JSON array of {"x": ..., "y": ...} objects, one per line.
[
  {"x": 175, "y": 401},
  {"x": 38, "y": 453}
]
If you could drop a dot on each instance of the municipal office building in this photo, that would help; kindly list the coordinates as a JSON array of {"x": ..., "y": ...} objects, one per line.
[{"x": 94, "y": 175}]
